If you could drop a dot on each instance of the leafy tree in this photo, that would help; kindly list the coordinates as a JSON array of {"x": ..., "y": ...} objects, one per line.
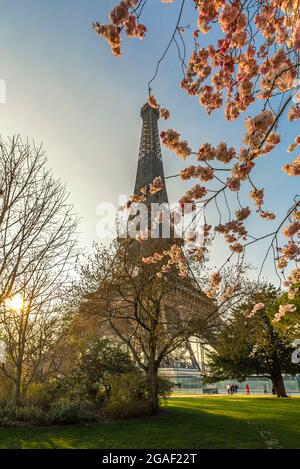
[
  {"x": 99, "y": 361},
  {"x": 153, "y": 315},
  {"x": 252, "y": 344}
]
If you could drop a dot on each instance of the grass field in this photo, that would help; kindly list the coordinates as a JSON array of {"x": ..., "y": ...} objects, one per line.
[{"x": 186, "y": 422}]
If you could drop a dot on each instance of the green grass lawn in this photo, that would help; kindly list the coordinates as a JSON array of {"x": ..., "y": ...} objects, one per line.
[{"x": 187, "y": 422}]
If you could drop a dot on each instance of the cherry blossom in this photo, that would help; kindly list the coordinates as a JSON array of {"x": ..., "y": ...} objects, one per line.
[
  {"x": 248, "y": 68},
  {"x": 171, "y": 140},
  {"x": 257, "y": 307},
  {"x": 283, "y": 310}
]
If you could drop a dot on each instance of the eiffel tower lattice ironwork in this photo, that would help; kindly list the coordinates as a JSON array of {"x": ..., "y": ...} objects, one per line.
[{"x": 150, "y": 163}]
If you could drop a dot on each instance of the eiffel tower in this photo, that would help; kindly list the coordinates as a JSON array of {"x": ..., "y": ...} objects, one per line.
[{"x": 191, "y": 366}]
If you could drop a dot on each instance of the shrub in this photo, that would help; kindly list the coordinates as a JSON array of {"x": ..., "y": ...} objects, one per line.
[
  {"x": 60, "y": 413},
  {"x": 13, "y": 416},
  {"x": 39, "y": 394},
  {"x": 164, "y": 388},
  {"x": 29, "y": 414},
  {"x": 123, "y": 410},
  {"x": 6, "y": 391},
  {"x": 68, "y": 413},
  {"x": 128, "y": 386}
]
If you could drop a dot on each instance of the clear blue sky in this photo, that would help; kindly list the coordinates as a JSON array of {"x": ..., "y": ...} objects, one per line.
[{"x": 65, "y": 88}]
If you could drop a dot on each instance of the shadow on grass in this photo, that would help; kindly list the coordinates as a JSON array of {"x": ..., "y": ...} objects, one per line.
[
  {"x": 216, "y": 422},
  {"x": 171, "y": 429}
]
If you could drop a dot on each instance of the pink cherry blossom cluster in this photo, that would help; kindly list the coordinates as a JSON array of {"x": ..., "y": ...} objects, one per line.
[
  {"x": 292, "y": 229},
  {"x": 171, "y": 140},
  {"x": 242, "y": 171},
  {"x": 233, "y": 232},
  {"x": 283, "y": 310},
  {"x": 136, "y": 199},
  {"x": 289, "y": 252},
  {"x": 294, "y": 113},
  {"x": 294, "y": 145},
  {"x": 278, "y": 73},
  {"x": 156, "y": 186},
  {"x": 292, "y": 292},
  {"x": 164, "y": 113},
  {"x": 221, "y": 153},
  {"x": 176, "y": 257},
  {"x": 266, "y": 215},
  {"x": 257, "y": 307},
  {"x": 296, "y": 36},
  {"x": 203, "y": 173},
  {"x": 294, "y": 276},
  {"x": 243, "y": 213},
  {"x": 292, "y": 169},
  {"x": 257, "y": 195},
  {"x": 229, "y": 292},
  {"x": 121, "y": 18},
  {"x": 215, "y": 281},
  {"x": 195, "y": 193},
  {"x": 257, "y": 128},
  {"x": 200, "y": 254}
]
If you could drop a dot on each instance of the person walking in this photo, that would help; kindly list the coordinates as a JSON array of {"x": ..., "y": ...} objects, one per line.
[
  {"x": 228, "y": 388},
  {"x": 247, "y": 389}
]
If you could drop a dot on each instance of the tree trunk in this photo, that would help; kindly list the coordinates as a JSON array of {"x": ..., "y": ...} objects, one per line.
[
  {"x": 278, "y": 384},
  {"x": 276, "y": 376},
  {"x": 18, "y": 380},
  {"x": 152, "y": 375}
]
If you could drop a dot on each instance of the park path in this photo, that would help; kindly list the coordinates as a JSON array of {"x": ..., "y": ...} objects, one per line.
[{"x": 268, "y": 437}]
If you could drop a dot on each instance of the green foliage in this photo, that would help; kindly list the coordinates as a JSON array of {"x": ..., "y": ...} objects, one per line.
[
  {"x": 289, "y": 325},
  {"x": 69, "y": 413},
  {"x": 6, "y": 391},
  {"x": 28, "y": 414},
  {"x": 164, "y": 388},
  {"x": 123, "y": 410},
  {"x": 252, "y": 345},
  {"x": 129, "y": 395},
  {"x": 128, "y": 387},
  {"x": 103, "y": 382},
  {"x": 58, "y": 413},
  {"x": 41, "y": 394},
  {"x": 99, "y": 361}
]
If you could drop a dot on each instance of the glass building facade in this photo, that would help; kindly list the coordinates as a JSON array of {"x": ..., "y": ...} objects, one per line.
[{"x": 191, "y": 380}]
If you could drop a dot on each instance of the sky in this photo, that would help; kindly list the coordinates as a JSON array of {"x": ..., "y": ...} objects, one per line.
[{"x": 65, "y": 89}]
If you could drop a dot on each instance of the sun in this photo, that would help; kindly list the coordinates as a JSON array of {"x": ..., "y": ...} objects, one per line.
[{"x": 15, "y": 302}]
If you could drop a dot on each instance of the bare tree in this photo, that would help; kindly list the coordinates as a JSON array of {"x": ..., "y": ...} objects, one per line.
[
  {"x": 37, "y": 227},
  {"x": 37, "y": 249}
]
